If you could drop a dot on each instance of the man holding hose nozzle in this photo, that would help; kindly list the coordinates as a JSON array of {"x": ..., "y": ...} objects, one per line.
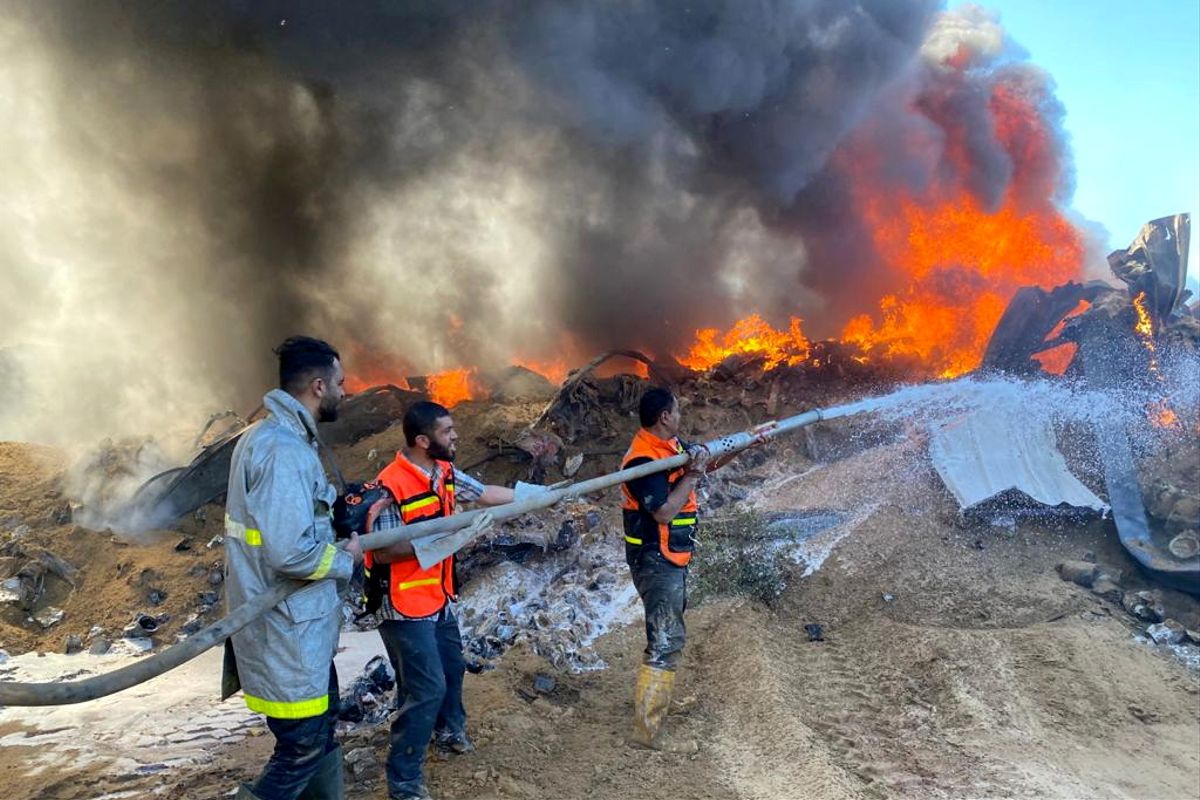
[{"x": 660, "y": 519}]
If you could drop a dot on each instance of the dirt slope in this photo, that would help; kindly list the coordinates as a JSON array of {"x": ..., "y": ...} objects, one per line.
[{"x": 984, "y": 675}]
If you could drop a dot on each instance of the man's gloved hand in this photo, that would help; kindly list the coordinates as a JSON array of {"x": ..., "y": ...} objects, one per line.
[
  {"x": 481, "y": 524},
  {"x": 527, "y": 491},
  {"x": 698, "y": 459}
]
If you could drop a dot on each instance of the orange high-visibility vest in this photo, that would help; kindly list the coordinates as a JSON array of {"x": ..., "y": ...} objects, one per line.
[
  {"x": 676, "y": 539},
  {"x": 416, "y": 592}
]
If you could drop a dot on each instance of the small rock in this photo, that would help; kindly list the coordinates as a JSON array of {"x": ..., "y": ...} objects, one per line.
[
  {"x": 1167, "y": 632},
  {"x": 142, "y": 625},
  {"x": 4, "y": 656},
  {"x": 361, "y": 761},
  {"x": 73, "y": 644},
  {"x": 815, "y": 632},
  {"x": 1193, "y": 636},
  {"x": 215, "y": 577},
  {"x": 887, "y": 598},
  {"x": 1082, "y": 573},
  {"x": 1185, "y": 515},
  {"x": 191, "y": 625},
  {"x": 216, "y": 541},
  {"x": 60, "y": 514},
  {"x": 208, "y": 598},
  {"x": 132, "y": 646},
  {"x": 1108, "y": 589},
  {"x": 49, "y": 616},
  {"x": 13, "y": 590},
  {"x": 183, "y": 545},
  {"x": 94, "y": 631},
  {"x": 1144, "y": 605},
  {"x": 591, "y": 520},
  {"x": 544, "y": 684},
  {"x": 567, "y": 536},
  {"x": 1089, "y": 556},
  {"x": 100, "y": 646},
  {"x": 155, "y": 597}
]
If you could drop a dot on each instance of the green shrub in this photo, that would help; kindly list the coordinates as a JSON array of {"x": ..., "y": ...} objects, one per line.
[{"x": 736, "y": 558}]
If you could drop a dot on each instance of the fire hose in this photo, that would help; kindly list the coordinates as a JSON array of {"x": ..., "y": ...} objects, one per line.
[{"x": 442, "y": 532}]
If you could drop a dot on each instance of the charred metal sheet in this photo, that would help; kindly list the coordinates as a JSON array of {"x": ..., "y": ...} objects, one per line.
[
  {"x": 160, "y": 502},
  {"x": 1156, "y": 263},
  {"x": 169, "y": 495},
  {"x": 981, "y": 455},
  {"x": 1029, "y": 319},
  {"x": 1107, "y": 353}
]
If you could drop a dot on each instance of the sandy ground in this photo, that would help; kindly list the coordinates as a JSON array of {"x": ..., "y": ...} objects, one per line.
[{"x": 956, "y": 664}]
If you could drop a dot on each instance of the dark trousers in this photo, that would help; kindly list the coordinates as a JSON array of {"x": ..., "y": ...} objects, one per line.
[
  {"x": 428, "y": 659},
  {"x": 300, "y": 745},
  {"x": 663, "y": 589}
]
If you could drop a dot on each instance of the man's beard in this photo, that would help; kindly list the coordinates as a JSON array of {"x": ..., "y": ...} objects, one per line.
[
  {"x": 328, "y": 410},
  {"x": 440, "y": 453}
]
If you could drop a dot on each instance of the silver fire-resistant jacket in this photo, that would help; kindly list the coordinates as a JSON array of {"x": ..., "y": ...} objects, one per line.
[{"x": 278, "y": 528}]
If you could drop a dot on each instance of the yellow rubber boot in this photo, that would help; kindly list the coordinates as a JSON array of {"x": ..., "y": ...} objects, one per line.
[{"x": 651, "y": 700}]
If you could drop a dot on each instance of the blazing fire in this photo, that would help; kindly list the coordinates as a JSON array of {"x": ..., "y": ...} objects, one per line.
[
  {"x": 1160, "y": 412},
  {"x": 452, "y": 387},
  {"x": 1144, "y": 325},
  {"x": 963, "y": 265},
  {"x": 750, "y": 336}
]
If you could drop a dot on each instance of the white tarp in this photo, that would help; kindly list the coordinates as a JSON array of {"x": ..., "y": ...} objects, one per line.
[{"x": 985, "y": 453}]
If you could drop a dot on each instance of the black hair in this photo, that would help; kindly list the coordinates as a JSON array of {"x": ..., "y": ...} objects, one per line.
[
  {"x": 421, "y": 418},
  {"x": 654, "y": 402},
  {"x": 302, "y": 358}
]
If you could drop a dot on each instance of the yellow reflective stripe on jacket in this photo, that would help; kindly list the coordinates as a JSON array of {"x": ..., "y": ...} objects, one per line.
[
  {"x": 418, "y": 504},
  {"x": 280, "y": 709},
  {"x": 236, "y": 530},
  {"x": 326, "y": 562},
  {"x": 633, "y": 540},
  {"x": 684, "y": 521},
  {"x": 423, "y": 582}
]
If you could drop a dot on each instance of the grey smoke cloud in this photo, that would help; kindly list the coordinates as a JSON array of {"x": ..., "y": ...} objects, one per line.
[{"x": 438, "y": 184}]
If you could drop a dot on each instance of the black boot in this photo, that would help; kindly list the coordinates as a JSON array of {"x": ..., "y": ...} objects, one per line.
[{"x": 327, "y": 783}]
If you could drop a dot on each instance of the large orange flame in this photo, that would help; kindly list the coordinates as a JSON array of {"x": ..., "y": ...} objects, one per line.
[
  {"x": 749, "y": 336},
  {"x": 453, "y": 386},
  {"x": 963, "y": 265}
]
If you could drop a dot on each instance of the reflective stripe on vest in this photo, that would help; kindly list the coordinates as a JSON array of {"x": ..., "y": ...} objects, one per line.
[
  {"x": 403, "y": 585},
  {"x": 412, "y": 506},
  {"x": 248, "y": 536},
  {"x": 298, "y": 709}
]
